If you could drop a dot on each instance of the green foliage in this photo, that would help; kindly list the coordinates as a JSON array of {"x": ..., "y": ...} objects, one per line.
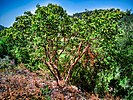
[
  {"x": 100, "y": 30},
  {"x": 124, "y": 48},
  {"x": 2, "y": 48},
  {"x": 90, "y": 50}
]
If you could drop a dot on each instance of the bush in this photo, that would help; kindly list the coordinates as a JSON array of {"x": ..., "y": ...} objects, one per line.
[
  {"x": 124, "y": 57},
  {"x": 3, "y": 48}
]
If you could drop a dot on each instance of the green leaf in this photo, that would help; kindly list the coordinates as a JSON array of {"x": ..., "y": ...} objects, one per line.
[{"x": 62, "y": 55}]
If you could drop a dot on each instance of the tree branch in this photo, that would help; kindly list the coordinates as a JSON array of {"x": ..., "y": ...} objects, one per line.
[
  {"x": 79, "y": 48},
  {"x": 72, "y": 66},
  {"x": 72, "y": 58},
  {"x": 48, "y": 66},
  {"x": 56, "y": 69}
]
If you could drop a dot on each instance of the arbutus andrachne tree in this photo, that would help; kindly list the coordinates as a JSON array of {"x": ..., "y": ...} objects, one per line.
[{"x": 62, "y": 50}]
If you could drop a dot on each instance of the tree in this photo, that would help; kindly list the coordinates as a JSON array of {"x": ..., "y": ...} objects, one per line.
[{"x": 60, "y": 49}]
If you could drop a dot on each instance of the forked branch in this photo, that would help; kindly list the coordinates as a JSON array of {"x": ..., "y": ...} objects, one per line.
[
  {"x": 76, "y": 61},
  {"x": 49, "y": 67}
]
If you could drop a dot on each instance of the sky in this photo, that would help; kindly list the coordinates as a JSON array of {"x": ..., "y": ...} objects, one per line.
[{"x": 10, "y": 9}]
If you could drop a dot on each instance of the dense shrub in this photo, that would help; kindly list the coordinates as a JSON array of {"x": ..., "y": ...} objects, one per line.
[
  {"x": 2, "y": 48},
  {"x": 124, "y": 57}
]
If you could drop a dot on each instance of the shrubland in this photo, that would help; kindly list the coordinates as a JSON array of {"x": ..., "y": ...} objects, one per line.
[{"x": 93, "y": 52}]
